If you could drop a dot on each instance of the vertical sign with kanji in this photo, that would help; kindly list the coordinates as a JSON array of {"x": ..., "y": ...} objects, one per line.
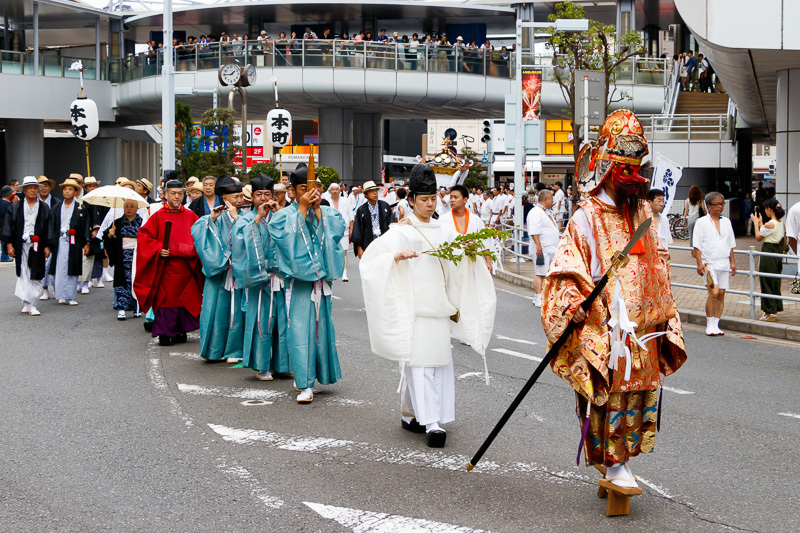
[{"x": 279, "y": 127}]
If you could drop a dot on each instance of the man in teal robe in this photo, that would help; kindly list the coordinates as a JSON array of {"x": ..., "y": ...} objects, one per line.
[
  {"x": 221, "y": 320},
  {"x": 255, "y": 266},
  {"x": 309, "y": 259}
]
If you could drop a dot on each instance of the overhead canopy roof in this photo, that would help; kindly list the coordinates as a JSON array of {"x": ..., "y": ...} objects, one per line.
[{"x": 53, "y": 14}]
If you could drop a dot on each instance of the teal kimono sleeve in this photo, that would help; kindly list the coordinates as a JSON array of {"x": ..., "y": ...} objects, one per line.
[
  {"x": 209, "y": 245},
  {"x": 249, "y": 266},
  {"x": 329, "y": 234},
  {"x": 299, "y": 253}
]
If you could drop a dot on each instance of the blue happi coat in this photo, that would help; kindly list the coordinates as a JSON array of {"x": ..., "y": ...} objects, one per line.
[
  {"x": 309, "y": 257},
  {"x": 255, "y": 266},
  {"x": 221, "y": 323}
]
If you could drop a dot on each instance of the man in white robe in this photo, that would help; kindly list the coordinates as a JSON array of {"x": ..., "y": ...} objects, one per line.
[{"x": 415, "y": 302}]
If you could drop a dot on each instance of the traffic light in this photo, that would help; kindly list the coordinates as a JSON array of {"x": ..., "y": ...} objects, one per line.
[{"x": 487, "y": 131}]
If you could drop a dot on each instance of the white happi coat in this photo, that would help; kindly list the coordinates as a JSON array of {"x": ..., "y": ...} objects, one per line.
[{"x": 409, "y": 303}]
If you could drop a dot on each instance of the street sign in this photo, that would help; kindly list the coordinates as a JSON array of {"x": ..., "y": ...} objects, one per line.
[{"x": 597, "y": 105}]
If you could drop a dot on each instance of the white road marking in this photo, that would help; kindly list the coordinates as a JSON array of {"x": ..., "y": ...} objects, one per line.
[
  {"x": 187, "y": 355},
  {"x": 346, "y": 450},
  {"x": 260, "y": 394},
  {"x": 676, "y": 391},
  {"x": 790, "y": 415},
  {"x": 514, "y": 293},
  {"x": 231, "y": 392},
  {"x": 243, "y": 475},
  {"x": 661, "y": 491},
  {"x": 471, "y": 374},
  {"x": 523, "y": 341},
  {"x": 369, "y": 522},
  {"x": 336, "y": 297},
  {"x": 517, "y": 354}
]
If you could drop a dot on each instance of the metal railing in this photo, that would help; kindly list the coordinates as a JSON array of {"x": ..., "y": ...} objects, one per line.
[
  {"x": 513, "y": 247},
  {"x": 752, "y": 273},
  {"x": 336, "y": 53},
  {"x": 688, "y": 127}
]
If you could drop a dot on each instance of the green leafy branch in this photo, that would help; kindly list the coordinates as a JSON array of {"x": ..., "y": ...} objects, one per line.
[{"x": 471, "y": 245}]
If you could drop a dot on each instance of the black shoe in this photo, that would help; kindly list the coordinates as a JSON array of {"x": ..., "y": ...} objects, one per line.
[
  {"x": 413, "y": 426},
  {"x": 436, "y": 438},
  {"x": 164, "y": 340},
  {"x": 180, "y": 338},
  {"x": 148, "y": 326}
]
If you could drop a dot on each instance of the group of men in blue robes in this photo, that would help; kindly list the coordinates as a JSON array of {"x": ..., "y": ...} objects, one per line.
[{"x": 269, "y": 273}]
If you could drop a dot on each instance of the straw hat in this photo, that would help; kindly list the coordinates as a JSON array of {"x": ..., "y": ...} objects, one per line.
[
  {"x": 146, "y": 184},
  {"x": 121, "y": 180},
  {"x": 69, "y": 182},
  {"x": 127, "y": 182},
  {"x": 91, "y": 180},
  {"x": 370, "y": 185},
  {"x": 44, "y": 179},
  {"x": 279, "y": 187},
  {"x": 195, "y": 187},
  {"x": 77, "y": 177},
  {"x": 192, "y": 180},
  {"x": 247, "y": 192}
]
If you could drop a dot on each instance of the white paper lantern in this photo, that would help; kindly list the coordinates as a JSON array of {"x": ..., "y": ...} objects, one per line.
[
  {"x": 84, "y": 119},
  {"x": 279, "y": 127}
]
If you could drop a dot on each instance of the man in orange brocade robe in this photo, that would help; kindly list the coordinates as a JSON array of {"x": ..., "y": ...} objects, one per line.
[{"x": 616, "y": 376}]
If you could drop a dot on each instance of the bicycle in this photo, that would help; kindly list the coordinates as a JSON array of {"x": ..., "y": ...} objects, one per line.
[{"x": 678, "y": 227}]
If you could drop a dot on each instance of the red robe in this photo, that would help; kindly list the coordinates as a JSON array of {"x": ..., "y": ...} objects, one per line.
[{"x": 174, "y": 281}]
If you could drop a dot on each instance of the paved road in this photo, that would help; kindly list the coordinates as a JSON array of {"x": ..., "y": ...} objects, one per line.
[{"x": 102, "y": 429}]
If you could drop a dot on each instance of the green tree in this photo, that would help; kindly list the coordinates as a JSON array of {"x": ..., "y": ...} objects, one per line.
[
  {"x": 185, "y": 141},
  {"x": 218, "y": 136},
  {"x": 599, "y": 48},
  {"x": 268, "y": 169},
  {"x": 328, "y": 175},
  {"x": 476, "y": 176}
]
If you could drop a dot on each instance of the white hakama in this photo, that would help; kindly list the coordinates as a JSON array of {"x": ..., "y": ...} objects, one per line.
[
  {"x": 429, "y": 394},
  {"x": 27, "y": 290}
]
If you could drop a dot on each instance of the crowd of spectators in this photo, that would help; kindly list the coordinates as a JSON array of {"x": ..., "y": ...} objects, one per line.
[{"x": 362, "y": 49}]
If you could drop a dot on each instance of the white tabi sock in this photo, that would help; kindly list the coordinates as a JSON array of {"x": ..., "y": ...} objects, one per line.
[
  {"x": 432, "y": 427},
  {"x": 406, "y": 419},
  {"x": 620, "y": 476}
]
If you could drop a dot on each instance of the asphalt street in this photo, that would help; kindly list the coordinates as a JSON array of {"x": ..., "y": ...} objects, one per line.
[{"x": 102, "y": 429}]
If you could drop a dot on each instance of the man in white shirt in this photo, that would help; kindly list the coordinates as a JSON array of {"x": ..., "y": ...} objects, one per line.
[
  {"x": 714, "y": 242},
  {"x": 558, "y": 203},
  {"x": 486, "y": 208},
  {"x": 543, "y": 231},
  {"x": 656, "y": 199},
  {"x": 793, "y": 226},
  {"x": 498, "y": 207}
]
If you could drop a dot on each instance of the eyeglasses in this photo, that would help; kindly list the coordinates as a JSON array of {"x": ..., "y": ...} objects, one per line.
[{"x": 717, "y": 204}]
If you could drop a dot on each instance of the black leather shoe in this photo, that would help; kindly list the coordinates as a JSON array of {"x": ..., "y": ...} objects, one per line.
[
  {"x": 148, "y": 326},
  {"x": 164, "y": 340},
  {"x": 180, "y": 338},
  {"x": 413, "y": 426},
  {"x": 436, "y": 438}
]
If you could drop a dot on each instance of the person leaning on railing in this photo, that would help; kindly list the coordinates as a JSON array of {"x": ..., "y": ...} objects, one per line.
[{"x": 773, "y": 235}]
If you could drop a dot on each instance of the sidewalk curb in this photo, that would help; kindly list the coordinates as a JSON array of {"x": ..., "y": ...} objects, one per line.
[{"x": 742, "y": 325}]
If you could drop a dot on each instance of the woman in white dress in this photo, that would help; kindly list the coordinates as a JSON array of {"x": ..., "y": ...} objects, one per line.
[{"x": 341, "y": 205}]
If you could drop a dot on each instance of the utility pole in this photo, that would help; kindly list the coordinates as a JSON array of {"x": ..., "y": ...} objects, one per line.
[{"x": 167, "y": 95}]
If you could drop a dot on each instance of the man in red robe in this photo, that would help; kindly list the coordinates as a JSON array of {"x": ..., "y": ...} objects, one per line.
[{"x": 168, "y": 272}]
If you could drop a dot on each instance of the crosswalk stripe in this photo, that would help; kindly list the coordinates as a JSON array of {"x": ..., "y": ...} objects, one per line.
[
  {"x": 521, "y": 341},
  {"x": 517, "y": 354},
  {"x": 370, "y": 522},
  {"x": 676, "y": 391},
  {"x": 418, "y": 457},
  {"x": 260, "y": 394},
  {"x": 790, "y": 415}
]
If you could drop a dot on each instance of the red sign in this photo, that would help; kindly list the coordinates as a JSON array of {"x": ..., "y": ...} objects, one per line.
[{"x": 257, "y": 130}]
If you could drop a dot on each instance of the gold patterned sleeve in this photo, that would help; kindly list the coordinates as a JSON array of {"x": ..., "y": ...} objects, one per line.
[{"x": 583, "y": 359}]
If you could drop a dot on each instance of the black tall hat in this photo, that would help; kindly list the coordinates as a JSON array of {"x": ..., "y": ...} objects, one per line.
[
  {"x": 299, "y": 176},
  {"x": 423, "y": 180},
  {"x": 261, "y": 183},
  {"x": 173, "y": 184},
  {"x": 227, "y": 185}
]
